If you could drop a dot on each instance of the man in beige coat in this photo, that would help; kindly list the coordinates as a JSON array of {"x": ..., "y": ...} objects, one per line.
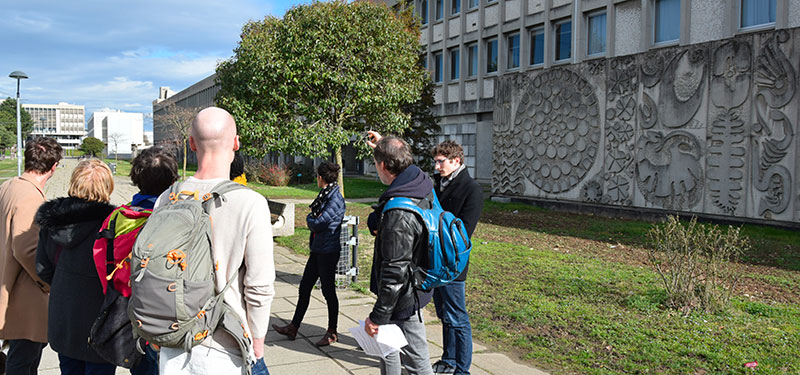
[{"x": 23, "y": 295}]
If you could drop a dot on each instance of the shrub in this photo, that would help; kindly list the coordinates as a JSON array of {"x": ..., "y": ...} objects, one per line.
[
  {"x": 275, "y": 175},
  {"x": 252, "y": 170},
  {"x": 694, "y": 262}
]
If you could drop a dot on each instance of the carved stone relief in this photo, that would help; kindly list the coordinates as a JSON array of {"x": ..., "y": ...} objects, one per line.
[
  {"x": 726, "y": 161},
  {"x": 668, "y": 169},
  {"x": 773, "y": 131},
  {"x": 706, "y": 128},
  {"x": 731, "y": 80},
  {"x": 559, "y": 126},
  {"x": 681, "y": 89}
]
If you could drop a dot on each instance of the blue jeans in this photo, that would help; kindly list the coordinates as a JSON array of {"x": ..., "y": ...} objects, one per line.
[
  {"x": 72, "y": 366},
  {"x": 259, "y": 367},
  {"x": 456, "y": 331}
]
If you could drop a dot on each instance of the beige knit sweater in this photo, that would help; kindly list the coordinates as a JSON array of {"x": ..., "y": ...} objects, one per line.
[{"x": 242, "y": 240}]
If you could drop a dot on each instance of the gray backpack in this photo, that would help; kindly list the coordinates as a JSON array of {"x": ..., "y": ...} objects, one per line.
[{"x": 173, "y": 300}]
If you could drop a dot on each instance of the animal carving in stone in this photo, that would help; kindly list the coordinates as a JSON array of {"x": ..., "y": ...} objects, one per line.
[{"x": 669, "y": 171}]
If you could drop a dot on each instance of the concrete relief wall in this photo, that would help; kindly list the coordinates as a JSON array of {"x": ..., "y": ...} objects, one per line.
[{"x": 706, "y": 128}]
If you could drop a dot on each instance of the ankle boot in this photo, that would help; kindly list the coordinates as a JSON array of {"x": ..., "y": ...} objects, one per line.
[
  {"x": 329, "y": 338},
  {"x": 289, "y": 330}
]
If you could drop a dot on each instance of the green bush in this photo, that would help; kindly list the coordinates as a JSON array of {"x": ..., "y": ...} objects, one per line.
[{"x": 695, "y": 263}]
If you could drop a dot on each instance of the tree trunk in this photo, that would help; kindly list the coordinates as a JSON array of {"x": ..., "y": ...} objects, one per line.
[
  {"x": 340, "y": 180},
  {"x": 184, "y": 160}
]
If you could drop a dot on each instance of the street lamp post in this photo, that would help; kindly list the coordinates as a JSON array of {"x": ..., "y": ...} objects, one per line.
[{"x": 18, "y": 75}]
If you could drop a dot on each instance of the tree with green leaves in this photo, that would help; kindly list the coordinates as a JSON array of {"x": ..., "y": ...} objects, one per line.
[
  {"x": 322, "y": 76},
  {"x": 8, "y": 123},
  {"x": 92, "y": 146}
]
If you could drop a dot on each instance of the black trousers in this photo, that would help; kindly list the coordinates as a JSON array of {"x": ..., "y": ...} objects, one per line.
[
  {"x": 322, "y": 267},
  {"x": 23, "y": 357}
]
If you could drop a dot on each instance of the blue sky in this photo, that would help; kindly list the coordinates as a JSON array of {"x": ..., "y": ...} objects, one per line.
[{"x": 116, "y": 54}]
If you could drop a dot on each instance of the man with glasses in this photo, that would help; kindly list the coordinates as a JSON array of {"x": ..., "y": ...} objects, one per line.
[{"x": 461, "y": 195}]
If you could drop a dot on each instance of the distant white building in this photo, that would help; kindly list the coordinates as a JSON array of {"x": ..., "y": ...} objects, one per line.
[
  {"x": 62, "y": 121},
  {"x": 122, "y": 132}
]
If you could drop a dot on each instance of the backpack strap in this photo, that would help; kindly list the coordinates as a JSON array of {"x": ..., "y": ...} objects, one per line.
[
  {"x": 218, "y": 192},
  {"x": 109, "y": 233}
]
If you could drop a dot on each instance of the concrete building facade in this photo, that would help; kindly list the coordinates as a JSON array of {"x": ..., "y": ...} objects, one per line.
[
  {"x": 122, "y": 132},
  {"x": 681, "y": 106},
  {"x": 470, "y": 44},
  {"x": 64, "y": 122}
]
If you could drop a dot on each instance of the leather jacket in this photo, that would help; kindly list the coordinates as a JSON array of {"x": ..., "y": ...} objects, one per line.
[{"x": 400, "y": 246}]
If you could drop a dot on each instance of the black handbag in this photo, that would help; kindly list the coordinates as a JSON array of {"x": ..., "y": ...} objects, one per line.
[{"x": 112, "y": 332}]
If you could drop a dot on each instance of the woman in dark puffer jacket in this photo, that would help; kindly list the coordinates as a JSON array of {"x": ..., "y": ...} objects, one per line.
[
  {"x": 324, "y": 221},
  {"x": 64, "y": 260}
]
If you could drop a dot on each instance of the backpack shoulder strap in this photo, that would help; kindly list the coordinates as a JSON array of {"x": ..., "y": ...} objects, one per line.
[
  {"x": 219, "y": 191},
  {"x": 402, "y": 203}
]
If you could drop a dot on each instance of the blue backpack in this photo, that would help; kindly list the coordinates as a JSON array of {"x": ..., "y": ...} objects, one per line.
[{"x": 448, "y": 242}]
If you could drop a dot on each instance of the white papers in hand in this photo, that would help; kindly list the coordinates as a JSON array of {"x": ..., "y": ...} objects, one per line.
[{"x": 388, "y": 340}]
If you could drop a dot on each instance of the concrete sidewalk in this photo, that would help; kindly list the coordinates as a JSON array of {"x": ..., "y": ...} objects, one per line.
[{"x": 285, "y": 357}]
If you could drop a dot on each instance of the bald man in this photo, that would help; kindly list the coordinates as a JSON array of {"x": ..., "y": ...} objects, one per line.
[{"x": 242, "y": 240}]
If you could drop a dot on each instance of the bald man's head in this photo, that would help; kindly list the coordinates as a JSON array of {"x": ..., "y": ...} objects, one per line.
[{"x": 214, "y": 129}]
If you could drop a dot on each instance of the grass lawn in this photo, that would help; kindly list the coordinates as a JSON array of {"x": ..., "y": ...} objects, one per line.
[
  {"x": 574, "y": 294},
  {"x": 354, "y": 187},
  {"x": 8, "y": 168}
]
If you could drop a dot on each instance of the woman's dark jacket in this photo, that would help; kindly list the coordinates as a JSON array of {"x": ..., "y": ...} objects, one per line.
[
  {"x": 400, "y": 245},
  {"x": 69, "y": 228},
  {"x": 327, "y": 227},
  {"x": 464, "y": 198}
]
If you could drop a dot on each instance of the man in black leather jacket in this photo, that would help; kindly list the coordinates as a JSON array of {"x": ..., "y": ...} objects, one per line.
[{"x": 400, "y": 245}]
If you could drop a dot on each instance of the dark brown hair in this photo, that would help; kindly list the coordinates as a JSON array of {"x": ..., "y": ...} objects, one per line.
[
  {"x": 328, "y": 171},
  {"x": 154, "y": 170},
  {"x": 449, "y": 149},
  {"x": 394, "y": 153},
  {"x": 41, "y": 154}
]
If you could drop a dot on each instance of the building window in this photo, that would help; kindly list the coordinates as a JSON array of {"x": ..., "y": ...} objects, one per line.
[
  {"x": 472, "y": 52},
  {"x": 563, "y": 40},
  {"x": 667, "y": 21},
  {"x": 491, "y": 55},
  {"x": 473, "y": 4},
  {"x": 424, "y": 59},
  {"x": 455, "y": 63},
  {"x": 757, "y": 12},
  {"x": 455, "y": 6},
  {"x": 537, "y": 46},
  {"x": 423, "y": 11},
  {"x": 513, "y": 51},
  {"x": 596, "y": 38},
  {"x": 437, "y": 67},
  {"x": 439, "y": 9}
]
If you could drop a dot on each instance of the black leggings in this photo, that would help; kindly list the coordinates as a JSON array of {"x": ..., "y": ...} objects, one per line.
[{"x": 322, "y": 266}]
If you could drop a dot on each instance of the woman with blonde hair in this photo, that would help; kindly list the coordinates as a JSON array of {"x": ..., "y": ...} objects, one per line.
[{"x": 69, "y": 228}]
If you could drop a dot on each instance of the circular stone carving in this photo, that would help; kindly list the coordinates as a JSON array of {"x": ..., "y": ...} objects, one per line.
[{"x": 565, "y": 129}]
